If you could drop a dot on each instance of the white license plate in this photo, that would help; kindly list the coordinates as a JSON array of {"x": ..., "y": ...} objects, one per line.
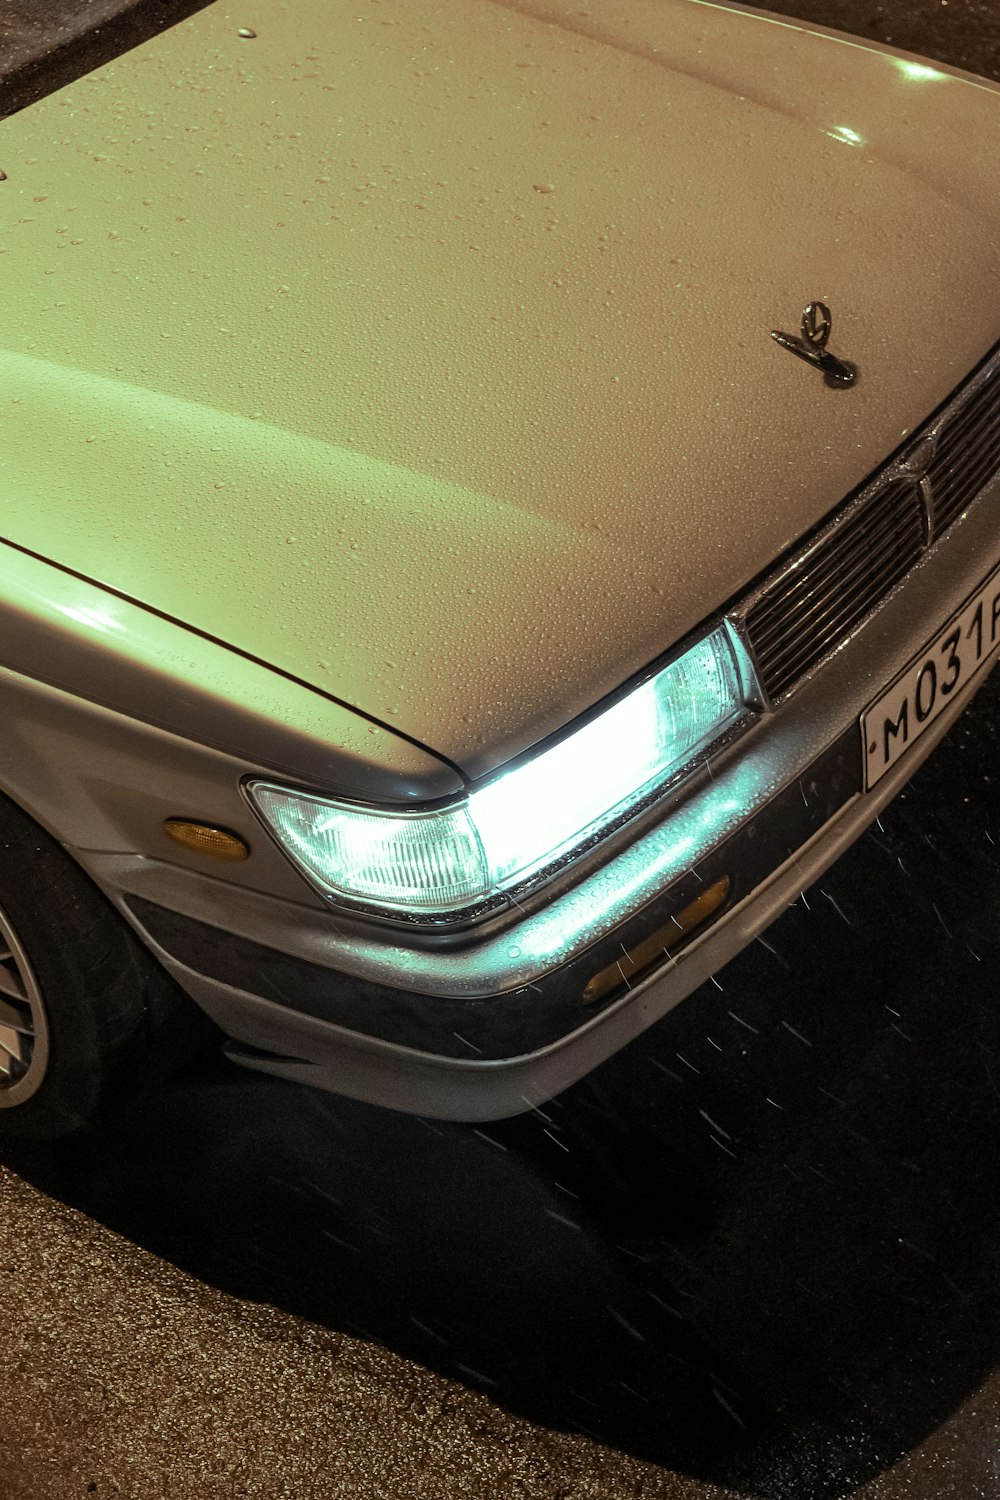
[{"x": 923, "y": 689}]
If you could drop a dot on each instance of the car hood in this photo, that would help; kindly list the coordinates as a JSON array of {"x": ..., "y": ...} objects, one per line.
[{"x": 423, "y": 353}]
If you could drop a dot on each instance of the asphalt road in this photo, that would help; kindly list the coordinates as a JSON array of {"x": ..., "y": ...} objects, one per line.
[{"x": 755, "y": 1255}]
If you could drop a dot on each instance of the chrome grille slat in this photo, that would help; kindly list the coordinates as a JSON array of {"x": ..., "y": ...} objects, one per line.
[
  {"x": 773, "y": 625},
  {"x": 813, "y": 626},
  {"x": 956, "y": 477},
  {"x": 968, "y": 453},
  {"x": 830, "y": 631},
  {"x": 839, "y": 619},
  {"x": 954, "y": 493},
  {"x": 872, "y": 551},
  {"x": 819, "y": 596},
  {"x": 950, "y": 458},
  {"x": 893, "y": 553},
  {"x": 864, "y": 545},
  {"x": 962, "y": 496},
  {"x": 979, "y": 411},
  {"x": 983, "y": 401}
]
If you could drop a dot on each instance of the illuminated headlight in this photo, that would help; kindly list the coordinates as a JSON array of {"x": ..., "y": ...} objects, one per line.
[{"x": 434, "y": 864}]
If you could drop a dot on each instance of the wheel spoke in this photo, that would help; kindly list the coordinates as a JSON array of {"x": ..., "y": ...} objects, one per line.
[
  {"x": 12, "y": 1018},
  {"x": 11, "y": 1046},
  {"x": 24, "y": 1036},
  {"x": 11, "y": 982}
]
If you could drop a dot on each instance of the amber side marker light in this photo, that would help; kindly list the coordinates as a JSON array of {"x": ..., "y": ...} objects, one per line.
[
  {"x": 203, "y": 838},
  {"x": 637, "y": 961}
]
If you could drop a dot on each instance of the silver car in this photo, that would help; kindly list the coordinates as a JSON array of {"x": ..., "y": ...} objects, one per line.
[{"x": 496, "y": 497}]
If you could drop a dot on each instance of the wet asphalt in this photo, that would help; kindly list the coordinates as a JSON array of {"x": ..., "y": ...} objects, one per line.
[{"x": 754, "y": 1255}]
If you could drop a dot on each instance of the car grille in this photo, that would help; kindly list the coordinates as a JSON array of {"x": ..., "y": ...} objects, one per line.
[
  {"x": 820, "y": 593},
  {"x": 966, "y": 456}
]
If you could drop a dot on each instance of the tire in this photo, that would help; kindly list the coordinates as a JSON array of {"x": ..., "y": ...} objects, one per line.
[{"x": 83, "y": 1006}]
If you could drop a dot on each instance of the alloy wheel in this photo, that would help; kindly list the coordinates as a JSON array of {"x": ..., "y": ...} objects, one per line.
[{"x": 24, "y": 1032}]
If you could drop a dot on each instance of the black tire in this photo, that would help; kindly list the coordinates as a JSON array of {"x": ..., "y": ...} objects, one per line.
[{"x": 94, "y": 1006}]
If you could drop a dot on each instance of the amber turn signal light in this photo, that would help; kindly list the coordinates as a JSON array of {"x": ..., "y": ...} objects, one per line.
[
  {"x": 637, "y": 961},
  {"x": 204, "y": 838}
]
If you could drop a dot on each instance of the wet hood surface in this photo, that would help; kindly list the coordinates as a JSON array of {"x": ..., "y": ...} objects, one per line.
[{"x": 422, "y": 350}]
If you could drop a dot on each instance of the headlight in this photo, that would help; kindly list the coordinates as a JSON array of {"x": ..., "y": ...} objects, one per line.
[{"x": 436, "y": 864}]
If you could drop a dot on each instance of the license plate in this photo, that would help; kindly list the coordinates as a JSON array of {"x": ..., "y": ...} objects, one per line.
[{"x": 923, "y": 689}]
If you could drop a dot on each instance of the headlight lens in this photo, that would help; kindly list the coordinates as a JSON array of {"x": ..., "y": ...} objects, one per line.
[{"x": 435, "y": 864}]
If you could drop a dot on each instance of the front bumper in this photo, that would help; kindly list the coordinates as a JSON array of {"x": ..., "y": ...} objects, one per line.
[{"x": 489, "y": 1023}]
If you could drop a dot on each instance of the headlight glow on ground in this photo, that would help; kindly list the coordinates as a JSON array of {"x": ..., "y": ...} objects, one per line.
[{"x": 435, "y": 863}]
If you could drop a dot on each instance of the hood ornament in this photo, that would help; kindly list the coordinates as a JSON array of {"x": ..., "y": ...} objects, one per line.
[{"x": 817, "y": 321}]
